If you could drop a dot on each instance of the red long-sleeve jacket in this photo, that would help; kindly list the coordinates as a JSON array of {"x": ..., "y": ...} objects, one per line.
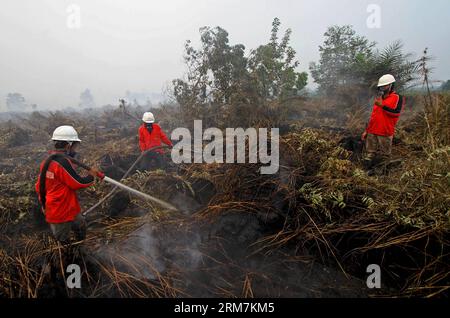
[
  {"x": 61, "y": 183},
  {"x": 149, "y": 140},
  {"x": 384, "y": 118}
]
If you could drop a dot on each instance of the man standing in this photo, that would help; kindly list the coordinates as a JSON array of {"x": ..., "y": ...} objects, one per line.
[
  {"x": 380, "y": 130},
  {"x": 150, "y": 136},
  {"x": 57, "y": 184}
]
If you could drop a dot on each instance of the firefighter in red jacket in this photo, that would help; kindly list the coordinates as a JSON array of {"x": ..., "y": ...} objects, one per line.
[
  {"x": 386, "y": 112},
  {"x": 151, "y": 135},
  {"x": 57, "y": 195}
]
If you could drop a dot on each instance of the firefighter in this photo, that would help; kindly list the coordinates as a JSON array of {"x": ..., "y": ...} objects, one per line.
[
  {"x": 380, "y": 129},
  {"x": 57, "y": 185},
  {"x": 150, "y": 136}
]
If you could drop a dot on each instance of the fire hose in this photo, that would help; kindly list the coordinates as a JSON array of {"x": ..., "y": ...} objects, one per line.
[
  {"x": 117, "y": 184},
  {"x": 113, "y": 191}
]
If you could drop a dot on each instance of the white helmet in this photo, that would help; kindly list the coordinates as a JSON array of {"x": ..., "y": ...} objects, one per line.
[
  {"x": 148, "y": 118},
  {"x": 65, "y": 133},
  {"x": 386, "y": 80}
]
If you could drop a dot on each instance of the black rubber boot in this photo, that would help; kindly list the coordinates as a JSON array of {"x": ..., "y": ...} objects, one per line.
[{"x": 367, "y": 164}]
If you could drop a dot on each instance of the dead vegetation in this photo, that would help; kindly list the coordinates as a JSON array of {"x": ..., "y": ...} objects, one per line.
[{"x": 321, "y": 205}]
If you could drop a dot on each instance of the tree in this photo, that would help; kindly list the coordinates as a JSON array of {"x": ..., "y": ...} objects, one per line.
[
  {"x": 15, "y": 102},
  {"x": 217, "y": 76},
  {"x": 390, "y": 60},
  {"x": 86, "y": 99},
  {"x": 214, "y": 70},
  {"x": 446, "y": 86},
  {"x": 341, "y": 48},
  {"x": 222, "y": 82},
  {"x": 273, "y": 66},
  {"x": 349, "y": 61}
]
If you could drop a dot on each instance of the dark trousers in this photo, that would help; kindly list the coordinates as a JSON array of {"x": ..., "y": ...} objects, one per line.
[
  {"x": 62, "y": 231},
  {"x": 152, "y": 161}
]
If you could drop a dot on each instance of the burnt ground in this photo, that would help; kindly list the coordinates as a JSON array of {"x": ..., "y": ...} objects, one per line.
[
  {"x": 216, "y": 257},
  {"x": 217, "y": 244}
]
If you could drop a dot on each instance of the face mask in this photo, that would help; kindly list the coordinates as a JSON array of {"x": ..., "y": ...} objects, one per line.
[
  {"x": 384, "y": 90},
  {"x": 149, "y": 127},
  {"x": 71, "y": 153}
]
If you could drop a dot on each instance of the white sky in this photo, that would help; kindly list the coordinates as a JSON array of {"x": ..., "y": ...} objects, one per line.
[{"x": 137, "y": 45}]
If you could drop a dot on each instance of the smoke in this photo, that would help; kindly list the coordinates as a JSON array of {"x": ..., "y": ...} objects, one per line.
[
  {"x": 149, "y": 252},
  {"x": 206, "y": 258},
  {"x": 184, "y": 203},
  {"x": 137, "y": 255}
]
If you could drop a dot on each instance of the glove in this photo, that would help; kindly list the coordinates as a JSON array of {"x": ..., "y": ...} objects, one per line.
[
  {"x": 364, "y": 136},
  {"x": 96, "y": 174}
]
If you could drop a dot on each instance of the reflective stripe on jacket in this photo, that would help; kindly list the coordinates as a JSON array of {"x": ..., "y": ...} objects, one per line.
[
  {"x": 61, "y": 183},
  {"x": 384, "y": 118},
  {"x": 149, "y": 140}
]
